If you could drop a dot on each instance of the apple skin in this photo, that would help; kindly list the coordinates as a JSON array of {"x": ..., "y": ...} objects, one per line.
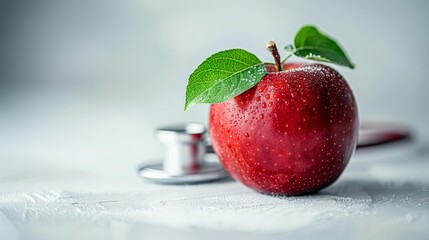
[{"x": 291, "y": 134}]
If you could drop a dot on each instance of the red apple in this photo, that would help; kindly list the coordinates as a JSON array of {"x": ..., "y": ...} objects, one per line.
[{"x": 293, "y": 133}]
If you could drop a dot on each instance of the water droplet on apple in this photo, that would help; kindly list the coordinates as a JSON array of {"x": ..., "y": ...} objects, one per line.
[
  {"x": 261, "y": 116},
  {"x": 267, "y": 96},
  {"x": 264, "y": 105}
]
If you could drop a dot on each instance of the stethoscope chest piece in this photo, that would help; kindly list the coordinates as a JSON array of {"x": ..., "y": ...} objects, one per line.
[{"x": 185, "y": 157}]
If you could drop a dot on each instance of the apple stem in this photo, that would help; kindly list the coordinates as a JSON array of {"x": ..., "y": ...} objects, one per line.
[{"x": 271, "y": 46}]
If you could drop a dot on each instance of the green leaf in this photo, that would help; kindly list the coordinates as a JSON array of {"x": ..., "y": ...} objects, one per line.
[
  {"x": 223, "y": 76},
  {"x": 314, "y": 45}
]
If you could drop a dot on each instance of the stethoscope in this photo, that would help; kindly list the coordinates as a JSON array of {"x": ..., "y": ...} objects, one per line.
[{"x": 189, "y": 158}]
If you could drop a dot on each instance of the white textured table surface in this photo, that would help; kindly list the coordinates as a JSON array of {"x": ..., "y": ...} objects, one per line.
[{"x": 380, "y": 195}]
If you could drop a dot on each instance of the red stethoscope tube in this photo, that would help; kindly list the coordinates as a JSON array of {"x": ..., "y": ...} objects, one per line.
[{"x": 373, "y": 134}]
